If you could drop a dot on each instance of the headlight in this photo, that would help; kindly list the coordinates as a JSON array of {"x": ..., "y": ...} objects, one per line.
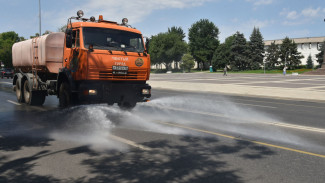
[
  {"x": 80, "y": 13},
  {"x": 145, "y": 91},
  {"x": 125, "y": 21},
  {"x": 92, "y": 92},
  {"x": 92, "y": 19}
]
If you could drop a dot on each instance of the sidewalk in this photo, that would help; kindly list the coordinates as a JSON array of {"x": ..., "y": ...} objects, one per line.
[{"x": 247, "y": 86}]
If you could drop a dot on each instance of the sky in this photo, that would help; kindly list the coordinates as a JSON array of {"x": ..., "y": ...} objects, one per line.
[{"x": 276, "y": 19}]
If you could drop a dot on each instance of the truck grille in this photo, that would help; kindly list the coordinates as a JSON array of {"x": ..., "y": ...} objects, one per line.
[{"x": 132, "y": 74}]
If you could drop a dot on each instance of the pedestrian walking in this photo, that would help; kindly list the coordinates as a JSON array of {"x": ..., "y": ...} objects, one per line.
[
  {"x": 284, "y": 71},
  {"x": 225, "y": 71}
]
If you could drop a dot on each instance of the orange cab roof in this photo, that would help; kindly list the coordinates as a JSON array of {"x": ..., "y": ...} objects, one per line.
[{"x": 104, "y": 25}]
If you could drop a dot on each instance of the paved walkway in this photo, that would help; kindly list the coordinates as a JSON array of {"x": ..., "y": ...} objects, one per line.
[{"x": 269, "y": 85}]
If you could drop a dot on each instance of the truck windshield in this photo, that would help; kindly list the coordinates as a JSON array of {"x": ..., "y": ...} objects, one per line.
[{"x": 111, "y": 39}]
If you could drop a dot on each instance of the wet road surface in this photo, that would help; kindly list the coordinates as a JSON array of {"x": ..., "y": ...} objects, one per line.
[{"x": 177, "y": 137}]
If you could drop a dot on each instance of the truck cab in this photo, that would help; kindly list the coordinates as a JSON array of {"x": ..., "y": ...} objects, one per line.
[{"x": 103, "y": 62}]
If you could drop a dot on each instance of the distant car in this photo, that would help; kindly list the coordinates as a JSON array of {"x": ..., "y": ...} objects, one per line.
[{"x": 7, "y": 73}]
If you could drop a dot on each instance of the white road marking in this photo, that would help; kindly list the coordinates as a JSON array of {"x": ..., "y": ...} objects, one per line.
[
  {"x": 255, "y": 105},
  {"x": 13, "y": 102},
  {"x": 300, "y": 127},
  {"x": 280, "y": 124},
  {"x": 129, "y": 142},
  {"x": 3, "y": 82},
  {"x": 280, "y": 103}
]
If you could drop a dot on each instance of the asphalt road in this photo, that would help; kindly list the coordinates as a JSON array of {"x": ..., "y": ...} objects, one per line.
[{"x": 176, "y": 137}]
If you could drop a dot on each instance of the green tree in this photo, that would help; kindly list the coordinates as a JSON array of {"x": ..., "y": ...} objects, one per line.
[
  {"x": 166, "y": 48},
  {"x": 203, "y": 41},
  {"x": 36, "y": 35},
  {"x": 177, "y": 30},
  {"x": 221, "y": 56},
  {"x": 289, "y": 54},
  {"x": 7, "y": 39},
  {"x": 272, "y": 56},
  {"x": 62, "y": 28},
  {"x": 310, "y": 64},
  {"x": 187, "y": 62},
  {"x": 320, "y": 55},
  {"x": 239, "y": 53},
  {"x": 47, "y": 32},
  {"x": 256, "y": 49}
]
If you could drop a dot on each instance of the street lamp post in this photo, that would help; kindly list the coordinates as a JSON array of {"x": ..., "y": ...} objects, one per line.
[{"x": 39, "y": 14}]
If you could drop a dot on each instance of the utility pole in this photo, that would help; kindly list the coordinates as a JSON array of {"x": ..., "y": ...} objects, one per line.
[{"x": 39, "y": 15}]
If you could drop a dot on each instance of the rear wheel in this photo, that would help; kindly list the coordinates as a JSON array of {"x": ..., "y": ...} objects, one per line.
[
  {"x": 33, "y": 97},
  {"x": 64, "y": 95},
  {"x": 19, "y": 91}
]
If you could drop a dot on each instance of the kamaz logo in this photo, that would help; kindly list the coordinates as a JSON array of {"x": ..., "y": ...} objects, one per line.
[{"x": 120, "y": 58}]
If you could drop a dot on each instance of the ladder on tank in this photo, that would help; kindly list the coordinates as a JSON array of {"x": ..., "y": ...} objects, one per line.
[{"x": 35, "y": 61}]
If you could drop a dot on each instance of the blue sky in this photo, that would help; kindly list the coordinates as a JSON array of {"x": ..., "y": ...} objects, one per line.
[{"x": 275, "y": 18}]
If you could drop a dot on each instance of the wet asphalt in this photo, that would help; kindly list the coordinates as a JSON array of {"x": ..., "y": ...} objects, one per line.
[{"x": 176, "y": 137}]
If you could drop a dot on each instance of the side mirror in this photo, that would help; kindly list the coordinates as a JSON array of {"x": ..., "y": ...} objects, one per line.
[
  {"x": 91, "y": 48},
  {"x": 147, "y": 45},
  {"x": 68, "y": 41}
]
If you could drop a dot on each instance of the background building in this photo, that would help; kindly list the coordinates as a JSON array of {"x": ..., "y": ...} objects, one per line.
[{"x": 306, "y": 46}]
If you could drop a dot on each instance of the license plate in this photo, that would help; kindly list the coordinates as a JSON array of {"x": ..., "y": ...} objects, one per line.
[
  {"x": 120, "y": 72},
  {"x": 120, "y": 68}
]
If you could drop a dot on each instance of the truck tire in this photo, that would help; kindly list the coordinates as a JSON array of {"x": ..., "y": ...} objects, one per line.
[
  {"x": 19, "y": 91},
  {"x": 127, "y": 105},
  {"x": 64, "y": 95},
  {"x": 33, "y": 97}
]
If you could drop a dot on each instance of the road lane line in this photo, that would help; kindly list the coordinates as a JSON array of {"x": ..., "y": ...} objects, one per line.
[
  {"x": 129, "y": 142},
  {"x": 13, "y": 102},
  {"x": 299, "y": 105},
  {"x": 280, "y": 103},
  {"x": 3, "y": 82},
  {"x": 255, "y": 105},
  {"x": 300, "y": 127},
  {"x": 286, "y": 125},
  {"x": 247, "y": 140}
]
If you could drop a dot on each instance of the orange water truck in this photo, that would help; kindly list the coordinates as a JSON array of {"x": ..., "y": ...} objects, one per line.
[{"x": 93, "y": 61}]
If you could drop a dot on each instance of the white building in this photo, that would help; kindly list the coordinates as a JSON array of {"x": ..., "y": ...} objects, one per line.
[{"x": 306, "y": 46}]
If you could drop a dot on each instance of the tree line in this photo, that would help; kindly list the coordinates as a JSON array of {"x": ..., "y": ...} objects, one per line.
[
  {"x": 236, "y": 52},
  {"x": 204, "y": 48}
]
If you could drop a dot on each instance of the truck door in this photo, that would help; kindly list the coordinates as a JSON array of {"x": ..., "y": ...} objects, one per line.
[{"x": 71, "y": 50}]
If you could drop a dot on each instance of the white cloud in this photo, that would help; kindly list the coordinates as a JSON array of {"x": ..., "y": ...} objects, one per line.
[
  {"x": 135, "y": 10},
  {"x": 310, "y": 12},
  {"x": 292, "y": 15},
  {"x": 305, "y": 16},
  {"x": 260, "y": 2},
  {"x": 245, "y": 27}
]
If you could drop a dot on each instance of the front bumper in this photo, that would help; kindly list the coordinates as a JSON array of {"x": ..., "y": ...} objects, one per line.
[{"x": 113, "y": 92}]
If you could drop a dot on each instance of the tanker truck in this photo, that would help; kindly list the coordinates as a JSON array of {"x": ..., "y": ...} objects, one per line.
[{"x": 93, "y": 61}]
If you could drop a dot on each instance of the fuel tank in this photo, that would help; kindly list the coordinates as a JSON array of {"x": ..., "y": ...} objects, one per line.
[{"x": 48, "y": 49}]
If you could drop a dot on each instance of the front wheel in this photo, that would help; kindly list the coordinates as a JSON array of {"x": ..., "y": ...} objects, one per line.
[
  {"x": 127, "y": 105},
  {"x": 64, "y": 95}
]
